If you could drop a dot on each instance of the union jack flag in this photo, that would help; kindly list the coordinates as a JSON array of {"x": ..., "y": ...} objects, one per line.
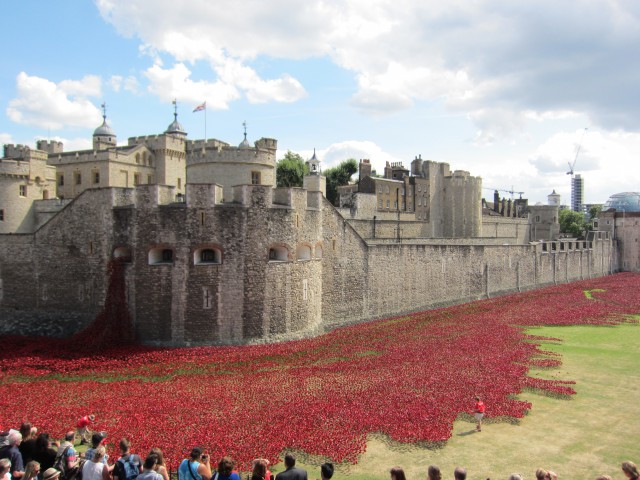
[{"x": 199, "y": 108}]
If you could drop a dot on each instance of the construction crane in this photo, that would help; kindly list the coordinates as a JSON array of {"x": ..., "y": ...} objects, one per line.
[
  {"x": 512, "y": 192},
  {"x": 572, "y": 165}
]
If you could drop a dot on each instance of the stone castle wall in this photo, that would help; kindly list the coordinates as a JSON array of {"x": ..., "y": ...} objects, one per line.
[{"x": 289, "y": 266}]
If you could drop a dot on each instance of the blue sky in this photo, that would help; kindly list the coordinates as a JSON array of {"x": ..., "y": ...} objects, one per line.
[{"x": 502, "y": 89}]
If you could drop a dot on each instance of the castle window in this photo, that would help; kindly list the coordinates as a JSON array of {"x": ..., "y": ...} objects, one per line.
[
  {"x": 387, "y": 203},
  {"x": 149, "y": 179},
  {"x": 380, "y": 203},
  {"x": 387, "y": 188},
  {"x": 333, "y": 244},
  {"x": 144, "y": 158},
  {"x": 537, "y": 218},
  {"x": 23, "y": 190},
  {"x": 136, "y": 179},
  {"x": 78, "y": 178},
  {"x": 255, "y": 178},
  {"x": 278, "y": 254},
  {"x": 395, "y": 204},
  {"x": 160, "y": 256},
  {"x": 305, "y": 289},
  {"x": 61, "y": 180},
  {"x": 45, "y": 194},
  {"x": 207, "y": 256},
  {"x": 123, "y": 254},
  {"x": 179, "y": 183},
  {"x": 96, "y": 177},
  {"x": 1, "y": 215},
  {"x": 319, "y": 251},
  {"x": 137, "y": 158},
  {"x": 303, "y": 253}
]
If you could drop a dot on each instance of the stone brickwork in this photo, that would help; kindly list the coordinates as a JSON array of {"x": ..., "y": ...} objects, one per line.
[{"x": 274, "y": 264}]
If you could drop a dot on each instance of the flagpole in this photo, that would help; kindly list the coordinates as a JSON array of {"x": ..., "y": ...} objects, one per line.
[{"x": 205, "y": 122}]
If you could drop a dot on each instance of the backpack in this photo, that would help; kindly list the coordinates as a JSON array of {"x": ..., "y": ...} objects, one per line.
[
  {"x": 129, "y": 467},
  {"x": 60, "y": 464}
]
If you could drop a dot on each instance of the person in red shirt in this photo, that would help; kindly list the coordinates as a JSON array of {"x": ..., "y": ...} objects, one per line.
[
  {"x": 83, "y": 428},
  {"x": 479, "y": 412}
]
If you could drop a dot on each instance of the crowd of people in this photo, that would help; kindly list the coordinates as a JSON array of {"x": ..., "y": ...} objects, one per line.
[
  {"x": 26, "y": 454},
  {"x": 629, "y": 469}
]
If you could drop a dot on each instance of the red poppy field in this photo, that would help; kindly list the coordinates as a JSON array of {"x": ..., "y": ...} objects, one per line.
[{"x": 408, "y": 377}]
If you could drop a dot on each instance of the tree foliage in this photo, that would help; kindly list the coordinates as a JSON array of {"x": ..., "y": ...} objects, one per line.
[
  {"x": 290, "y": 170},
  {"x": 338, "y": 176},
  {"x": 572, "y": 223}
]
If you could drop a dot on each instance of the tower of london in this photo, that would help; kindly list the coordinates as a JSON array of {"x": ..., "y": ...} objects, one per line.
[{"x": 214, "y": 253}]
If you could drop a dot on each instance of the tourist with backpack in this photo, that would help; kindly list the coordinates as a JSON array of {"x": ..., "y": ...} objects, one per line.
[
  {"x": 128, "y": 465},
  {"x": 67, "y": 461}
]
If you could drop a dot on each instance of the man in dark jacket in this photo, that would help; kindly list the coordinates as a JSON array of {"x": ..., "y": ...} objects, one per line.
[{"x": 291, "y": 473}]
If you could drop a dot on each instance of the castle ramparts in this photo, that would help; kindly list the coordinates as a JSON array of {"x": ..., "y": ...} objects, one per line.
[{"x": 272, "y": 264}]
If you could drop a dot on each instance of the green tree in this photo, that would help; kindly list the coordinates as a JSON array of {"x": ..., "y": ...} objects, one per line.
[
  {"x": 338, "y": 176},
  {"x": 594, "y": 211},
  {"x": 290, "y": 170},
  {"x": 572, "y": 223}
]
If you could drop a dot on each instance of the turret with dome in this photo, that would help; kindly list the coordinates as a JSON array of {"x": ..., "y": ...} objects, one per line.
[
  {"x": 104, "y": 137},
  {"x": 176, "y": 128}
]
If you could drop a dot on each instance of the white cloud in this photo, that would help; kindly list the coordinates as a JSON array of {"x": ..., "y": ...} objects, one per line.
[
  {"x": 5, "y": 138},
  {"x": 129, "y": 84},
  {"x": 176, "y": 83},
  {"x": 336, "y": 153},
  {"x": 45, "y": 104},
  {"x": 606, "y": 160},
  {"x": 481, "y": 58}
]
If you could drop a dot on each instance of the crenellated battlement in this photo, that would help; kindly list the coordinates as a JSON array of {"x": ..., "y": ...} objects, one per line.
[
  {"x": 158, "y": 142},
  {"x": 214, "y": 151},
  {"x": 50, "y": 146},
  {"x": 209, "y": 144},
  {"x": 23, "y": 152}
]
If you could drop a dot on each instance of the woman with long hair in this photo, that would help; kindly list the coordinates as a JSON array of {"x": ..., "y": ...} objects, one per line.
[
  {"x": 630, "y": 470},
  {"x": 94, "y": 469},
  {"x": 162, "y": 467},
  {"x": 31, "y": 470},
  {"x": 226, "y": 470}
]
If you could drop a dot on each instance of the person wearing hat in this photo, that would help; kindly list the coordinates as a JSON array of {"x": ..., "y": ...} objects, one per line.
[
  {"x": 50, "y": 474},
  {"x": 196, "y": 467},
  {"x": 83, "y": 428}
]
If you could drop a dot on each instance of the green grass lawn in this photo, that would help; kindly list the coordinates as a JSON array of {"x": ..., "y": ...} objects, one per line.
[{"x": 581, "y": 437}]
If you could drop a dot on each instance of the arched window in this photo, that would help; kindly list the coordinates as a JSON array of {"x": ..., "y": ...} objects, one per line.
[
  {"x": 137, "y": 158},
  {"x": 207, "y": 256},
  {"x": 303, "y": 252},
  {"x": 45, "y": 194},
  {"x": 160, "y": 256},
  {"x": 278, "y": 254},
  {"x": 122, "y": 253}
]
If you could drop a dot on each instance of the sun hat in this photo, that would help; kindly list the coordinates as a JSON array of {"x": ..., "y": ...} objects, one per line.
[{"x": 50, "y": 474}]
